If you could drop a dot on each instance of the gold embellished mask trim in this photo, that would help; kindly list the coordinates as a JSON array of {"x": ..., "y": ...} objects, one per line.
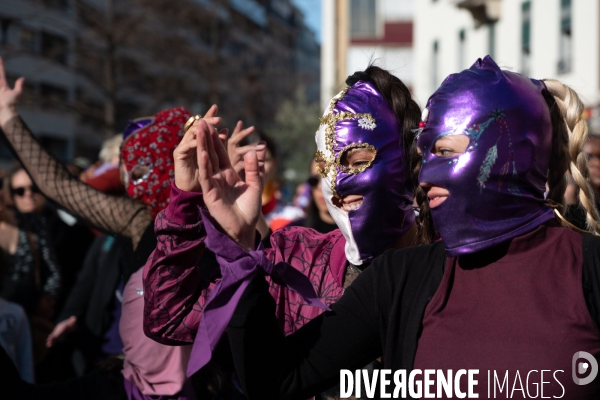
[
  {"x": 321, "y": 161},
  {"x": 328, "y": 164}
]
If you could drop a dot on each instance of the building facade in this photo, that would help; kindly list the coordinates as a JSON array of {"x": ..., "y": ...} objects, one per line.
[
  {"x": 557, "y": 39},
  {"x": 356, "y": 33},
  {"x": 91, "y": 65}
]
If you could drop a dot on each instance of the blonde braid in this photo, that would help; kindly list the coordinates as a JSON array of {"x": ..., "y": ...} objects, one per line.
[{"x": 571, "y": 109}]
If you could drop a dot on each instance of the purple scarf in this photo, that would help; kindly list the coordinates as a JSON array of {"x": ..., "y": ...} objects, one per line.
[{"x": 238, "y": 268}]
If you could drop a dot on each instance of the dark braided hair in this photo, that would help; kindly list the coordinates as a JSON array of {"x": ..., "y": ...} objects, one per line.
[{"x": 407, "y": 111}]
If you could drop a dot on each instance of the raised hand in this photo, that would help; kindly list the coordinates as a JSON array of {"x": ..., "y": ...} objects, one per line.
[
  {"x": 233, "y": 203},
  {"x": 8, "y": 96},
  {"x": 237, "y": 152},
  {"x": 185, "y": 158}
]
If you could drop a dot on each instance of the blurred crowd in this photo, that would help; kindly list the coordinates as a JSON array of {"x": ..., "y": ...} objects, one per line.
[
  {"x": 61, "y": 292},
  {"x": 74, "y": 238}
]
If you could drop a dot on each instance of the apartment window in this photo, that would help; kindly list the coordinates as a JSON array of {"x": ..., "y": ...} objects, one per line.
[
  {"x": 363, "y": 18},
  {"x": 52, "y": 96},
  {"x": 28, "y": 97},
  {"x": 61, "y": 5},
  {"x": 55, "y": 48},
  {"x": 434, "y": 65},
  {"x": 526, "y": 38},
  {"x": 461, "y": 49},
  {"x": 566, "y": 43},
  {"x": 4, "y": 24},
  {"x": 27, "y": 40}
]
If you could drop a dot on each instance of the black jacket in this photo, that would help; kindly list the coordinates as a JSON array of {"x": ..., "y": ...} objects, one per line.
[
  {"x": 92, "y": 295},
  {"x": 387, "y": 302}
]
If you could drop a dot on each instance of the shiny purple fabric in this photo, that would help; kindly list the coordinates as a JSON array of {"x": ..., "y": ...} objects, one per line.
[
  {"x": 133, "y": 126},
  {"x": 497, "y": 186},
  {"x": 386, "y": 212}
]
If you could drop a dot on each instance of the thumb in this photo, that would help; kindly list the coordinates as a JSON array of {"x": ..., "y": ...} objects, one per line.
[
  {"x": 261, "y": 151},
  {"x": 253, "y": 178},
  {"x": 223, "y": 133},
  {"x": 19, "y": 85}
]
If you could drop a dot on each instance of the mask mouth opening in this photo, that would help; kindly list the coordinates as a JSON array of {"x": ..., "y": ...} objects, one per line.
[{"x": 348, "y": 203}]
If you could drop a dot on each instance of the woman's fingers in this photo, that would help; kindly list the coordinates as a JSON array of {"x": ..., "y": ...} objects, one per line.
[
  {"x": 214, "y": 120},
  {"x": 244, "y": 149},
  {"x": 223, "y": 133},
  {"x": 240, "y": 134},
  {"x": 209, "y": 120},
  {"x": 2, "y": 75},
  {"x": 210, "y": 145},
  {"x": 4, "y": 83},
  {"x": 251, "y": 167},
  {"x": 187, "y": 142},
  {"x": 234, "y": 140},
  {"x": 212, "y": 111},
  {"x": 19, "y": 86},
  {"x": 261, "y": 151},
  {"x": 186, "y": 148},
  {"x": 190, "y": 134},
  {"x": 205, "y": 171},
  {"x": 221, "y": 152}
]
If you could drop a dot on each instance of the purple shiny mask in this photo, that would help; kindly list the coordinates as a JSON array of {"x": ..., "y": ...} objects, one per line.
[
  {"x": 497, "y": 185},
  {"x": 360, "y": 117},
  {"x": 136, "y": 125}
]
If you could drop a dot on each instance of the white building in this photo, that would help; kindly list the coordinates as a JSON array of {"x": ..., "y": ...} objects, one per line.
[
  {"x": 358, "y": 32},
  {"x": 540, "y": 38}
]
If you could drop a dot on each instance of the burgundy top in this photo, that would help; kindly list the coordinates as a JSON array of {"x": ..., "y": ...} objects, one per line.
[{"x": 520, "y": 310}]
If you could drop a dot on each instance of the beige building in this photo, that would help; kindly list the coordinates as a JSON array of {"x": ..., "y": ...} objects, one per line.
[
  {"x": 358, "y": 32},
  {"x": 91, "y": 65}
]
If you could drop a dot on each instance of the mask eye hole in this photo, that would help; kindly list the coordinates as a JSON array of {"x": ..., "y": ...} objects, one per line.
[
  {"x": 139, "y": 173},
  {"x": 356, "y": 158},
  {"x": 451, "y": 145}
]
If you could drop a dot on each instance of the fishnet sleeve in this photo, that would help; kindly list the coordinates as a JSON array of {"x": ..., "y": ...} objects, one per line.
[{"x": 111, "y": 214}]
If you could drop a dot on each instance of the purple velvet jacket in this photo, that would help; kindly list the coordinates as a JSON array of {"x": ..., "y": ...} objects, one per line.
[{"x": 176, "y": 288}]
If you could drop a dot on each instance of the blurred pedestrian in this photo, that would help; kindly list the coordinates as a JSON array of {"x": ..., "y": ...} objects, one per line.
[
  {"x": 104, "y": 175},
  {"x": 15, "y": 335},
  {"x": 317, "y": 216},
  {"x": 147, "y": 171},
  {"x": 33, "y": 277},
  {"x": 15, "y": 338},
  {"x": 277, "y": 214}
]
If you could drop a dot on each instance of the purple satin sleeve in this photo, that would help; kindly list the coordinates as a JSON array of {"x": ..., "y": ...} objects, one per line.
[
  {"x": 238, "y": 268},
  {"x": 175, "y": 288}
]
